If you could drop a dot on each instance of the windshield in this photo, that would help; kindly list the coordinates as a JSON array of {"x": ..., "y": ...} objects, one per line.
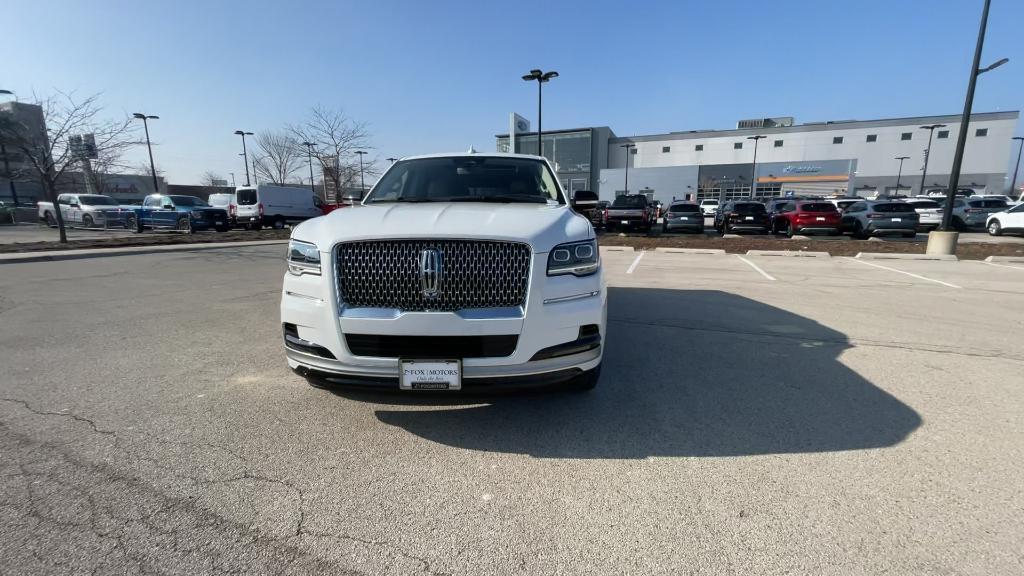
[
  {"x": 817, "y": 207},
  {"x": 630, "y": 202},
  {"x": 220, "y": 199},
  {"x": 992, "y": 203},
  {"x": 467, "y": 179},
  {"x": 709, "y": 202},
  {"x": 188, "y": 201},
  {"x": 96, "y": 200},
  {"x": 892, "y": 208},
  {"x": 246, "y": 197},
  {"x": 926, "y": 204},
  {"x": 684, "y": 208},
  {"x": 749, "y": 208}
]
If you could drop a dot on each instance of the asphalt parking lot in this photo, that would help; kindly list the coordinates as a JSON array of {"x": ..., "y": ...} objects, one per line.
[{"x": 768, "y": 415}]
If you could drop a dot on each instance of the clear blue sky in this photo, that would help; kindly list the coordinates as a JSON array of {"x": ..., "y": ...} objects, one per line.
[{"x": 441, "y": 76}]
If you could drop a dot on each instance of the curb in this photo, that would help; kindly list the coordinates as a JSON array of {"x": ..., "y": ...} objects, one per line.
[
  {"x": 664, "y": 250},
  {"x": 1007, "y": 259},
  {"x": 898, "y": 256},
  {"x": 789, "y": 253},
  {"x": 617, "y": 248},
  {"x": 54, "y": 255}
]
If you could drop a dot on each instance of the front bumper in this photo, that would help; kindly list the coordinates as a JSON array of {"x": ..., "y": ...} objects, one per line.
[{"x": 555, "y": 310}]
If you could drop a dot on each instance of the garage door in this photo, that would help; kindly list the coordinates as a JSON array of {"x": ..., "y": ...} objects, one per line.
[{"x": 815, "y": 188}]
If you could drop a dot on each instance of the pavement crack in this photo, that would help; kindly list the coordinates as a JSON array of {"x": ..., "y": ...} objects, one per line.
[{"x": 67, "y": 414}]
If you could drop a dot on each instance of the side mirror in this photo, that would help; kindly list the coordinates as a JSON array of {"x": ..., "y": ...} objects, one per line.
[
  {"x": 583, "y": 200},
  {"x": 74, "y": 205},
  {"x": 168, "y": 206}
]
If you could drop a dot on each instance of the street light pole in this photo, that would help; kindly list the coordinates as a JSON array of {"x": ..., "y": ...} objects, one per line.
[
  {"x": 152, "y": 167},
  {"x": 541, "y": 77},
  {"x": 900, "y": 172},
  {"x": 309, "y": 151},
  {"x": 245, "y": 154},
  {"x": 928, "y": 151},
  {"x": 232, "y": 179},
  {"x": 961, "y": 141},
  {"x": 753, "y": 167},
  {"x": 362, "y": 184},
  {"x": 628, "y": 148},
  {"x": 1016, "y": 167}
]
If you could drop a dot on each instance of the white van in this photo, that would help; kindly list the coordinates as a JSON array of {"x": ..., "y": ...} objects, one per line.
[
  {"x": 270, "y": 205},
  {"x": 225, "y": 200}
]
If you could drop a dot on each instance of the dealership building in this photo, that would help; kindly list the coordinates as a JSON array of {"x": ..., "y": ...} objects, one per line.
[{"x": 844, "y": 157}]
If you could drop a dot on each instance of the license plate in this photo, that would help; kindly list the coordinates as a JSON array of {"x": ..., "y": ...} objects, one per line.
[
  {"x": 684, "y": 218},
  {"x": 625, "y": 221},
  {"x": 820, "y": 218},
  {"x": 749, "y": 218},
  {"x": 897, "y": 219},
  {"x": 430, "y": 374},
  {"x": 219, "y": 222}
]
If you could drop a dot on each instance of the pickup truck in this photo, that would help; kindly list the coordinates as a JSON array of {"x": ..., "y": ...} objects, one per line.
[
  {"x": 176, "y": 212},
  {"x": 86, "y": 210},
  {"x": 631, "y": 210}
]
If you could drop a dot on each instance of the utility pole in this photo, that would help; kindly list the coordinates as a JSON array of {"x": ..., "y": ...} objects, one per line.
[
  {"x": 245, "y": 154},
  {"x": 900, "y": 172},
  {"x": 753, "y": 167},
  {"x": 629, "y": 148}
]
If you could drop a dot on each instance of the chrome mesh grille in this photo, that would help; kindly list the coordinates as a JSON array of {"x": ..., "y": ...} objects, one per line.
[{"x": 475, "y": 274}]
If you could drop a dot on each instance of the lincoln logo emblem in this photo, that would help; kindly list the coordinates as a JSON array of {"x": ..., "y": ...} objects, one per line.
[{"x": 430, "y": 272}]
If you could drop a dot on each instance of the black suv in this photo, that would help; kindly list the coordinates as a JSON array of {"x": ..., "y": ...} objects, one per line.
[{"x": 742, "y": 216}]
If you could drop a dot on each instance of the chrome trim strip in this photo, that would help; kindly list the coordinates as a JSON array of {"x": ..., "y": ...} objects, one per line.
[
  {"x": 571, "y": 298},
  {"x": 297, "y": 295},
  {"x": 465, "y": 314}
]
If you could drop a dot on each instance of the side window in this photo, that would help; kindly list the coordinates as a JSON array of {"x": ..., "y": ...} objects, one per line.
[
  {"x": 1018, "y": 208},
  {"x": 64, "y": 199},
  {"x": 152, "y": 202},
  {"x": 858, "y": 207}
]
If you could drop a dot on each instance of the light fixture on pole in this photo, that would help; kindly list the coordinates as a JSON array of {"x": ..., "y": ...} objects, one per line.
[
  {"x": 1016, "y": 167},
  {"x": 309, "y": 153},
  {"x": 152, "y": 167},
  {"x": 540, "y": 77},
  {"x": 928, "y": 151},
  {"x": 245, "y": 154},
  {"x": 362, "y": 185},
  {"x": 900, "y": 173},
  {"x": 753, "y": 166},
  {"x": 392, "y": 159},
  {"x": 629, "y": 149}
]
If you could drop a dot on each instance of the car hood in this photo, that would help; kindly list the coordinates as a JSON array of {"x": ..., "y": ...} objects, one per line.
[{"x": 541, "y": 225}]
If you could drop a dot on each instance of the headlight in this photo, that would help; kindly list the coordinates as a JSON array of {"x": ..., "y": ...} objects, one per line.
[
  {"x": 303, "y": 258},
  {"x": 577, "y": 258}
]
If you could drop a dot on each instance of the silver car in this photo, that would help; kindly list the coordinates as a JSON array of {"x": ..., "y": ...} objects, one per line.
[
  {"x": 974, "y": 212},
  {"x": 683, "y": 216},
  {"x": 929, "y": 212},
  {"x": 880, "y": 217}
]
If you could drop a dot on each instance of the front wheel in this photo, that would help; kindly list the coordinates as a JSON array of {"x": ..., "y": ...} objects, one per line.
[
  {"x": 995, "y": 228},
  {"x": 87, "y": 221},
  {"x": 50, "y": 220},
  {"x": 132, "y": 223},
  {"x": 184, "y": 225},
  {"x": 279, "y": 223},
  {"x": 858, "y": 231}
]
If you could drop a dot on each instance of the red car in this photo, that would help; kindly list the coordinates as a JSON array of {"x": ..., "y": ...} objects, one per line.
[{"x": 806, "y": 217}]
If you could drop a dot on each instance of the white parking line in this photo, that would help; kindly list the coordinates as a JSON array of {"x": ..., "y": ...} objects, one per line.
[
  {"x": 635, "y": 262},
  {"x": 756, "y": 267},
  {"x": 902, "y": 272},
  {"x": 1003, "y": 265}
]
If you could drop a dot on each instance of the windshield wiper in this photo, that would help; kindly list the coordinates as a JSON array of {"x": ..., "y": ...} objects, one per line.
[
  {"x": 504, "y": 198},
  {"x": 414, "y": 200}
]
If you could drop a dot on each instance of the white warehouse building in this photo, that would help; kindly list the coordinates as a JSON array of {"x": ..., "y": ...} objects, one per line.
[{"x": 849, "y": 157}]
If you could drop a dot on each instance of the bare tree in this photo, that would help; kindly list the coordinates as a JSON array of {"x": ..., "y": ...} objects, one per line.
[
  {"x": 335, "y": 137},
  {"x": 49, "y": 152},
  {"x": 211, "y": 179},
  {"x": 281, "y": 156},
  {"x": 108, "y": 162}
]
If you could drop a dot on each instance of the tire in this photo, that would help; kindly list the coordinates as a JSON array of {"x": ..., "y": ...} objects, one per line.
[
  {"x": 664, "y": 228},
  {"x": 910, "y": 234},
  {"x": 87, "y": 221},
  {"x": 223, "y": 228},
  {"x": 256, "y": 226},
  {"x": 959, "y": 225},
  {"x": 131, "y": 223},
  {"x": 587, "y": 380},
  {"x": 50, "y": 220},
  {"x": 788, "y": 231},
  {"x": 278, "y": 223},
  {"x": 995, "y": 228},
  {"x": 858, "y": 231},
  {"x": 184, "y": 225}
]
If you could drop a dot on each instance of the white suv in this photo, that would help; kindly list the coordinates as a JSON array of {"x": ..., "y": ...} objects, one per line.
[
  {"x": 709, "y": 206},
  {"x": 456, "y": 270}
]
